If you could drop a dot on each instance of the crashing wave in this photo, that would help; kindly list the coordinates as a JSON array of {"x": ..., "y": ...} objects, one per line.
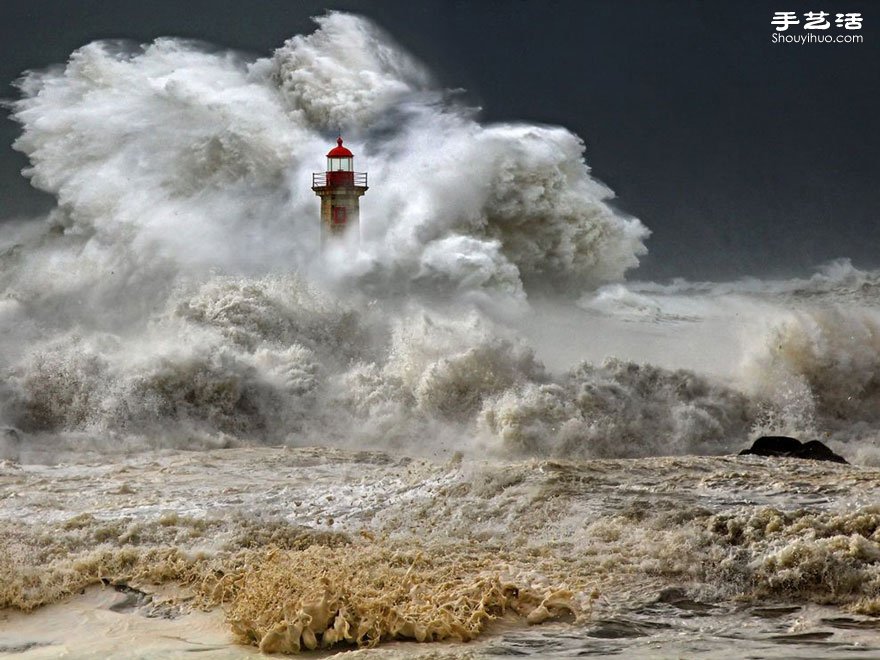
[{"x": 203, "y": 158}]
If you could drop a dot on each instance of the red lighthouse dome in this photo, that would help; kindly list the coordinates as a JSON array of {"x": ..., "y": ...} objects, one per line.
[
  {"x": 340, "y": 159},
  {"x": 339, "y": 151}
]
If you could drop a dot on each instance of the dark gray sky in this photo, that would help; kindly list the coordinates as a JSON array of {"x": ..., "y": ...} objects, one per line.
[{"x": 743, "y": 157}]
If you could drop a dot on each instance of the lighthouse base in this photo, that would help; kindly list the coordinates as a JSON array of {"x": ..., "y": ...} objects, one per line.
[{"x": 340, "y": 213}]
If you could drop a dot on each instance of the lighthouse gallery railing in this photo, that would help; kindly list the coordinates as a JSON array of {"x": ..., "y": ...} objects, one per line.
[{"x": 324, "y": 179}]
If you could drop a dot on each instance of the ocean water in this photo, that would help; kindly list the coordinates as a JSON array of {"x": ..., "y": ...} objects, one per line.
[{"x": 474, "y": 430}]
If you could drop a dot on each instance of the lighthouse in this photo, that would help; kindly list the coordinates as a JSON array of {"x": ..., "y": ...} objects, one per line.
[{"x": 340, "y": 189}]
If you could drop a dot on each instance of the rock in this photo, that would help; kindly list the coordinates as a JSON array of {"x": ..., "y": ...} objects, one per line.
[
  {"x": 780, "y": 445},
  {"x": 774, "y": 445},
  {"x": 820, "y": 452}
]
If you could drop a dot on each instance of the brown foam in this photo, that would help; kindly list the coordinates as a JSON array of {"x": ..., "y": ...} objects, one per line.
[
  {"x": 363, "y": 595},
  {"x": 306, "y": 590}
]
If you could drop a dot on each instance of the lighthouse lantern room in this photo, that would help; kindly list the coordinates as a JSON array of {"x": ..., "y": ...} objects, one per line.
[{"x": 340, "y": 189}]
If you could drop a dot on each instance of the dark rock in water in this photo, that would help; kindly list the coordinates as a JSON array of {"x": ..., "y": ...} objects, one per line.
[
  {"x": 780, "y": 445},
  {"x": 774, "y": 445},
  {"x": 820, "y": 452}
]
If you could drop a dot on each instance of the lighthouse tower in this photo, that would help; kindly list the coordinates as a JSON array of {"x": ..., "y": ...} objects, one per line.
[{"x": 340, "y": 189}]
